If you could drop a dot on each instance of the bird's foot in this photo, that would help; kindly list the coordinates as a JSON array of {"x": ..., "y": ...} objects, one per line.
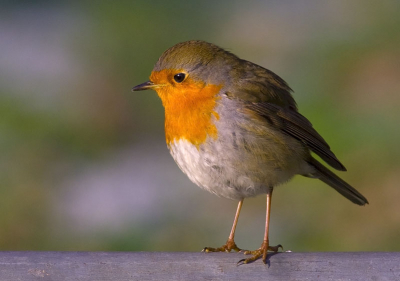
[
  {"x": 261, "y": 252},
  {"x": 229, "y": 246}
]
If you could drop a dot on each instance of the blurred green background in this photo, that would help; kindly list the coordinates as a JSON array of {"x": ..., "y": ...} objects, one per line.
[{"x": 84, "y": 165}]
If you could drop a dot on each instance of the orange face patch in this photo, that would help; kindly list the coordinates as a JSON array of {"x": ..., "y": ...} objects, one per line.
[{"x": 189, "y": 107}]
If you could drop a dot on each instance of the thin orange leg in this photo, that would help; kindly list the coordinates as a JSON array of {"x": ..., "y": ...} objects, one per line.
[
  {"x": 263, "y": 250},
  {"x": 230, "y": 243}
]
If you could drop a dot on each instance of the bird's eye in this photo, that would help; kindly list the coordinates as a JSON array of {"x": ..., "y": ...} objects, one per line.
[{"x": 179, "y": 77}]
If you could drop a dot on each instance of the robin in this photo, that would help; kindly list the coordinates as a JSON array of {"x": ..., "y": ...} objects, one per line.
[{"x": 234, "y": 129}]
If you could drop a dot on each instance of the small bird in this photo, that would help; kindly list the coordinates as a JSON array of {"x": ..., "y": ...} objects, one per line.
[{"x": 234, "y": 129}]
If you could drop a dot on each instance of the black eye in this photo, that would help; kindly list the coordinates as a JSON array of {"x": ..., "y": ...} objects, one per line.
[{"x": 179, "y": 77}]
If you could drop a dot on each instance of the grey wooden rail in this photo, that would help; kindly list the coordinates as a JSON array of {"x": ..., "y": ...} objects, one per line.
[{"x": 123, "y": 266}]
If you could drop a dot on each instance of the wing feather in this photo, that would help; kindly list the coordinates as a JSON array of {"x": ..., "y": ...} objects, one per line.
[{"x": 293, "y": 123}]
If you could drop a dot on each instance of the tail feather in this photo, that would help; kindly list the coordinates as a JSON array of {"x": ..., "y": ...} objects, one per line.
[{"x": 328, "y": 177}]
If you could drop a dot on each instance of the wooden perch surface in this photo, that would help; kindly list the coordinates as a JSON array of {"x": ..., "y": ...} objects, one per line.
[{"x": 142, "y": 266}]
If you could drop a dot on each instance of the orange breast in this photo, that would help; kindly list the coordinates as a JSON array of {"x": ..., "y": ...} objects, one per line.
[{"x": 189, "y": 107}]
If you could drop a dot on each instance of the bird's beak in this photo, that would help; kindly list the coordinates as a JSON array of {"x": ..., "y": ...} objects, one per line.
[{"x": 144, "y": 86}]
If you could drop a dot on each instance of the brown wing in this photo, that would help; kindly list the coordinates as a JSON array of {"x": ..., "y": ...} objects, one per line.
[
  {"x": 293, "y": 123},
  {"x": 268, "y": 95}
]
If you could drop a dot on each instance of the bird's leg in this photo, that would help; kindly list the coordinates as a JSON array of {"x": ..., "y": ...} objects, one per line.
[
  {"x": 230, "y": 243},
  {"x": 265, "y": 247}
]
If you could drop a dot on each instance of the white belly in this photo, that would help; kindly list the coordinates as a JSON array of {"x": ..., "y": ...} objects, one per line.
[{"x": 226, "y": 175}]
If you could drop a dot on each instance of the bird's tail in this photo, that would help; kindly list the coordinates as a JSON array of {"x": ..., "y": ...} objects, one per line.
[{"x": 328, "y": 177}]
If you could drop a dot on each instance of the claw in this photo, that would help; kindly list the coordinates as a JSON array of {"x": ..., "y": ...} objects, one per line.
[
  {"x": 229, "y": 246},
  {"x": 275, "y": 248},
  {"x": 262, "y": 251}
]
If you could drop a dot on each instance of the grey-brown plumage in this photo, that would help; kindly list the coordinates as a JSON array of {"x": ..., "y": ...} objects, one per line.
[{"x": 234, "y": 129}]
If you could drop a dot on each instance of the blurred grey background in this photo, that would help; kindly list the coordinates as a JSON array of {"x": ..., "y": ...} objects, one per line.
[{"x": 84, "y": 164}]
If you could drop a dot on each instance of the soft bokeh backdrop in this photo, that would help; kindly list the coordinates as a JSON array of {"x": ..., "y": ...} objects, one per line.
[{"x": 83, "y": 161}]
